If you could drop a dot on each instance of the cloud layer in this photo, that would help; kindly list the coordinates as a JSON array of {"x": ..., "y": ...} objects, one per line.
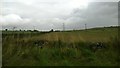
[{"x": 48, "y": 14}]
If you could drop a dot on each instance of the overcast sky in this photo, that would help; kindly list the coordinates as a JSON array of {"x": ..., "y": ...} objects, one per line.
[{"x": 51, "y": 14}]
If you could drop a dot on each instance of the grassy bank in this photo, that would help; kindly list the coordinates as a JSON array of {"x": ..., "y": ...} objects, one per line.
[{"x": 72, "y": 48}]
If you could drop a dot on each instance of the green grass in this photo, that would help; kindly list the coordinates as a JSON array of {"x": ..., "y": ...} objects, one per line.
[{"x": 62, "y": 48}]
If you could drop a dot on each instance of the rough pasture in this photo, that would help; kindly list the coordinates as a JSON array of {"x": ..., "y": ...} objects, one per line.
[{"x": 93, "y": 47}]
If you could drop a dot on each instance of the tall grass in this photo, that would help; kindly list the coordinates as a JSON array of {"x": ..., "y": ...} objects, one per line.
[{"x": 61, "y": 49}]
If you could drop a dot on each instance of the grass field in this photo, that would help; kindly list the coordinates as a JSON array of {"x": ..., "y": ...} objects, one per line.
[{"x": 68, "y": 48}]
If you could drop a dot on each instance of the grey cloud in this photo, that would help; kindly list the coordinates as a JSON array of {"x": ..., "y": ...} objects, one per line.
[
  {"x": 96, "y": 14},
  {"x": 45, "y": 15}
]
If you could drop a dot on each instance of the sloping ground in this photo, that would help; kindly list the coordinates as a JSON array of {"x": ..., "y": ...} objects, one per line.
[
  {"x": 92, "y": 35},
  {"x": 74, "y": 48}
]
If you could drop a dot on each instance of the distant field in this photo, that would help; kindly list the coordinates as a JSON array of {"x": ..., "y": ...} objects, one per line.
[
  {"x": 68, "y": 48},
  {"x": 91, "y": 35}
]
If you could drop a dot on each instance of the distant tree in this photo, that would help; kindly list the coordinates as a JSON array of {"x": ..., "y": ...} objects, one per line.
[
  {"x": 6, "y": 29},
  {"x": 20, "y": 30},
  {"x": 111, "y": 26},
  {"x": 35, "y": 30},
  {"x": 51, "y": 30},
  {"x": 29, "y": 30}
]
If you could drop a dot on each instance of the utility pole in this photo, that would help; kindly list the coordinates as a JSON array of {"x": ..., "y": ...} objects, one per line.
[
  {"x": 13, "y": 32},
  {"x": 14, "y": 28},
  {"x": 85, "y": 26},
  {"x": 63, "y": 27},
  {"x": 33, "y": 27}
]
